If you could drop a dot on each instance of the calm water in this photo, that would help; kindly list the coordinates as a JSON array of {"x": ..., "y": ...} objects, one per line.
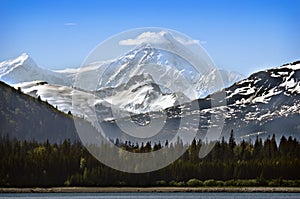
[{"x": 152, "y": 195}]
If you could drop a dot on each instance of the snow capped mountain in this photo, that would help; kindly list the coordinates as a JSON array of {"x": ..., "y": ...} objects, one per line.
[
  {"x": 167, "y": 69},
  {"x": 144, "y": 79},
  {"x": 23, "y": 69}
]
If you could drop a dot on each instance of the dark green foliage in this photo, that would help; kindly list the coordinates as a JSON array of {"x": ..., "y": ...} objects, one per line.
[
  {"x": 210, "y": 182},
  {"x": 27, "y": 164},
  {"x": 194, "y": 183}
]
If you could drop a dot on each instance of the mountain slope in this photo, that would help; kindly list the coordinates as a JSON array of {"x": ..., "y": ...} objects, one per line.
[
  {"x": 27, "y": 118},
  {"x": 267, "y": 102}
]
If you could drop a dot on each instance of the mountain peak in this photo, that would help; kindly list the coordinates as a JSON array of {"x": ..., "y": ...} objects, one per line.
[
  {"x": 20, "y": 59},
  {"x": 23, "y": 69},
  {"x": 9, "y": 65},
  {"x": 141, "y": 47},
  {"x": 24, "y": 55},
  {"x": 144, "y": 45}
]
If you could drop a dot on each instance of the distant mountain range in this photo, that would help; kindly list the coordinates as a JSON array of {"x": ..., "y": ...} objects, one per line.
[
  {"x": 126, "y": 84},
  {"x": 267, "y": 102},
  {"x": 177, "y": 81}
]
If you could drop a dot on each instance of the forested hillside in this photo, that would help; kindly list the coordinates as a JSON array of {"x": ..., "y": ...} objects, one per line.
[{"x": 25, "y": 117}]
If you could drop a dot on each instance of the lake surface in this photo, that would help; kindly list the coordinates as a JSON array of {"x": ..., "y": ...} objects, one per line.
[{"x": 151, "y": 195}]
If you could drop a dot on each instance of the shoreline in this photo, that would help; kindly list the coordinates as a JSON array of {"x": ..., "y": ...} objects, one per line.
[{"x": 151, "y": 189}]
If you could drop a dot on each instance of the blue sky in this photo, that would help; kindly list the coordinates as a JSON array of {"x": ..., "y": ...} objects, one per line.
[{"x": 244, "y": 36}]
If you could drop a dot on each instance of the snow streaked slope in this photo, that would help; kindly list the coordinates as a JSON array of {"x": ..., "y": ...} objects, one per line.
[
  {"x": 61, "y": 97},
  {"x": 139, "y": 95},
  {"x": 261, "y": 87},
  {"x": 272, "y": 106}
]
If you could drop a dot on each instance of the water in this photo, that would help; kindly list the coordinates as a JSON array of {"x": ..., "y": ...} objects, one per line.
[{"x": 151, "y": 195}]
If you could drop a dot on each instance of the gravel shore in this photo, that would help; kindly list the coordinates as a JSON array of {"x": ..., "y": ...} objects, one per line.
[{"x": 149, "y": 189}]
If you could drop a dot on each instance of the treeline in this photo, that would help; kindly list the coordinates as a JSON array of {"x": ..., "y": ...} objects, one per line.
[{"x": 258, "y": 163}]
